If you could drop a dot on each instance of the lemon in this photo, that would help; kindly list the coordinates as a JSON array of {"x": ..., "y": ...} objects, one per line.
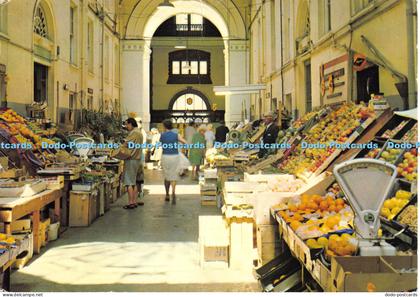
[
  {"x": 390, "y": 217},
  {"x": 402, "y": 203},
  {"x": 401, "y": 194},
  {"x": 395, "y": 210},
  {"x": 388, "y": 204},
  {"x": 346, "y": 236},
  {"x": 335, "y": 237},
  {"x": 311, "y": 243},
  {"x": 385, "y": 212},
  {"x": 322, "y": 241}
]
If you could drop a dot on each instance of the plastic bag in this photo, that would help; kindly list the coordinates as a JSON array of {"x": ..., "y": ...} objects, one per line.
[{"x": 183, "y": 164}]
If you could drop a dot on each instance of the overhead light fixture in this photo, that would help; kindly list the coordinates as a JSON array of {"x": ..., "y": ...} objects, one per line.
[
  {"x": 180, "y": 46},
  {"x": 165, "y": 4},
  {"x": 240, "y": 89}
]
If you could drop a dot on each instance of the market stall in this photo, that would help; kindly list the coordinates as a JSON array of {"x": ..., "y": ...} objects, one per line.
[{"x": 298, "y": 195}]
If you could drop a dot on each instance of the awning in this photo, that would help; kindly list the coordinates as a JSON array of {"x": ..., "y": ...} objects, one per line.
[
  {"x": 241, "y": 89},
  {"x": 412, "y": 113}
]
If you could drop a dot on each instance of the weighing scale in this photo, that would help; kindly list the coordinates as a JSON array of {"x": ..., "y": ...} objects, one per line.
[
  {"x": 83, "y": 146},
  {"x": 366, "y": 183}
]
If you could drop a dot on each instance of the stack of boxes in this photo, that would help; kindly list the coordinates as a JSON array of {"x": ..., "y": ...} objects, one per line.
[
  {"x": 268, "y": 243},
  {"x": 208, "y": 187}
]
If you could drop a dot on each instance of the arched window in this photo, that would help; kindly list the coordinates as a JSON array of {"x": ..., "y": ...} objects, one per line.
[
  {"x": 40, "y": 22},
  {"x": 189, "y": 67},
  {"x": 189, "y": 101}
]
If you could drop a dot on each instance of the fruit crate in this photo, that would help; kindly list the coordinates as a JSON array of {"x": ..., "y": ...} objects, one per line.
[
  {"x": 392, "y": 124},
  {"x": 400, "y": 184},
  {"x": 363, "y": 153},
  {"x": 397, "y": 156}
]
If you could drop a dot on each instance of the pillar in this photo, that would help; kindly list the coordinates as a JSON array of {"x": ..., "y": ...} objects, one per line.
[
  {"x": 135, "y": 79},
  {"x": 237, "y": 68}
]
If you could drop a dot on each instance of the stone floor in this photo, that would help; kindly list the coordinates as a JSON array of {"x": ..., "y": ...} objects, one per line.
[{"x": 152, "y": 248}]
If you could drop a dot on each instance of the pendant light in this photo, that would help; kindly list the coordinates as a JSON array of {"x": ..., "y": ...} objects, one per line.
[{"x": 165, "y": 5}]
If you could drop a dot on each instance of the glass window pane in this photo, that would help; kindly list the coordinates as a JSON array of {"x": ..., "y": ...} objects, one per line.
[
  {"x": 175, "y": 67},
  {"x": 185, "y": 67},
  {"x": 182, "y": 19},
  {"x": 203, "y": 67},
  {"x": 196, "y": 19},
  {"x": 194, "y": 67}
]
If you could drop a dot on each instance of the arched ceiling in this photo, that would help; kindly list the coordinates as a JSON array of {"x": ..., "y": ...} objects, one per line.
[{"x": 137, "y": 22}]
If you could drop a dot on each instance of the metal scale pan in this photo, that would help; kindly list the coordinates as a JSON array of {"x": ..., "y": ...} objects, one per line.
[{"x": 366, "y": 184}]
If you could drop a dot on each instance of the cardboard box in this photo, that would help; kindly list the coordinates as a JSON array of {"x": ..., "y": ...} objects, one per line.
[
  {"x": 380, "y": 274},
  {"x": 213, "y": 239}
]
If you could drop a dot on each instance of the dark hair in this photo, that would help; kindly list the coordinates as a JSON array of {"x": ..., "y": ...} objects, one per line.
[
  {"x": 132, "y": 122},
  {"x": 192, "y": 124},
  {"x": 167, "y": 124}
]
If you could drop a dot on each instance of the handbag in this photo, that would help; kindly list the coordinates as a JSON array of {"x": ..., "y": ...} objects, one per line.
[{"x": 122, "y": 153}]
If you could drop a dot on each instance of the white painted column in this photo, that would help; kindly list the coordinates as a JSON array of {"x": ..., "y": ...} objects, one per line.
[
  {"x": 237, "y": 74},
  {"x": 135, "y": 78}
]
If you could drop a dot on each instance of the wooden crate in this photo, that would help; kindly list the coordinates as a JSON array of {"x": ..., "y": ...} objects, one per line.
[
  {"x": 241, "y": 252},
  {"x": 54, "y": 182},
  {"x": 83, "y": 208}
]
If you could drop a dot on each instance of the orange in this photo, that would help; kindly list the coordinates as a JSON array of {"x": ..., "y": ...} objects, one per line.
[
  {"x": 298, "y": 217},
  {"x": 293, "y": 208},
  {"x": 339, "y": 201},
  {"x": 313, "y": 205},
  {"x": 323, "y": 205},
  {"x": 331, "y": 207},
  {"x": 339, "y": 207},
  {"x": 295, "y": 224}
]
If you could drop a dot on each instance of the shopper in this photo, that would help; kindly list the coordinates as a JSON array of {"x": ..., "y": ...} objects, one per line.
[
  {"x": 209, "y": 136},
  {"x": 270, "y": 133},
  {"x": 170, "y": 158},
  {"x": 198, "y": 151},
  {"x": 132, "y": 164},
  {"x": 156, "y": 151},
  {"x": 221, "y": 132},
  {"x": 189, "y": 133}
]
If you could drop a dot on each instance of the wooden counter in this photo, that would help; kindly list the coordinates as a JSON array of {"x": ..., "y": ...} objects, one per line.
[{"x": 12, "y": 209}]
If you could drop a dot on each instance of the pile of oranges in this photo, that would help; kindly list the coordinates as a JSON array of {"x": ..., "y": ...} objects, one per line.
[
  {"x": 319, "y": 204},
  {"x": 11, "y": 116},
  {"x": 343, "y": 245},
  {"x": 335, "y": 245}
]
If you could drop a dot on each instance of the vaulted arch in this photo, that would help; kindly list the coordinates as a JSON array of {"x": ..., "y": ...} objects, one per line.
[
  {"x": 144, "y": 17},
  {"x": 43, "y": 19}
]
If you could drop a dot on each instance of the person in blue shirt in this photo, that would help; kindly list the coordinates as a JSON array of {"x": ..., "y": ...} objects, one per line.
[{"x": 170, "y": 158}]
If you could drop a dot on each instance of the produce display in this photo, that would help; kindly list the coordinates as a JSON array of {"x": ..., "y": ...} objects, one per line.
[
  {"x": 390, "y": 133},
  {"x": 411, "y": 135},
  {"x": 409, "y": 217},
  {"x": 336, "y": 127},
  {"x": 312, "y": 216},
  {"x": 372, "y": 154},
  {"x": 335, "y": 244},
  {"x": 393, "y": 205},
  {"x": 408, "y": 167},
  {"x": 285, "y": 183},
  {"x": 23, "y": 131},
  {"x": 390, "y": 155}
]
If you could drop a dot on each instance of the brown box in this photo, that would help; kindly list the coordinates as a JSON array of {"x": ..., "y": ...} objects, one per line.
[
  {"x": 83, "y": 208},
  {"x": 216, "y": 253},
  {"x": 379, "y": 274}
]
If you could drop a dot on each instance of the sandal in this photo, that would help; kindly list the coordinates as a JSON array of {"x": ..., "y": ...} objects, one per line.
[
  {"x": 129, "y": 206},
  {"x": 141, "y": 203},
  {"x": 167, "y": 198}
]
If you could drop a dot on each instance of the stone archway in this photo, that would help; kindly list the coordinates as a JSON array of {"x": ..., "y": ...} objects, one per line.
[
  {"x": 144, "y": 20},
  {"x": 44, "y": 51}
]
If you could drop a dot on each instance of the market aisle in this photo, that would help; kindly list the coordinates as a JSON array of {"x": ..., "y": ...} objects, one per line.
[{"x": 152, "y": 248}]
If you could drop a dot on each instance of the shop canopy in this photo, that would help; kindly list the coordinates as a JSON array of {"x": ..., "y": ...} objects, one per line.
[{"x": 412, "y": 113}]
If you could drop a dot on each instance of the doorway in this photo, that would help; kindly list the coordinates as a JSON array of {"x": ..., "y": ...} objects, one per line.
[
  {"x": 367, "y": 83},
  {"x": 308, "y": 86},
  {"x": 40, "y": 83}
]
